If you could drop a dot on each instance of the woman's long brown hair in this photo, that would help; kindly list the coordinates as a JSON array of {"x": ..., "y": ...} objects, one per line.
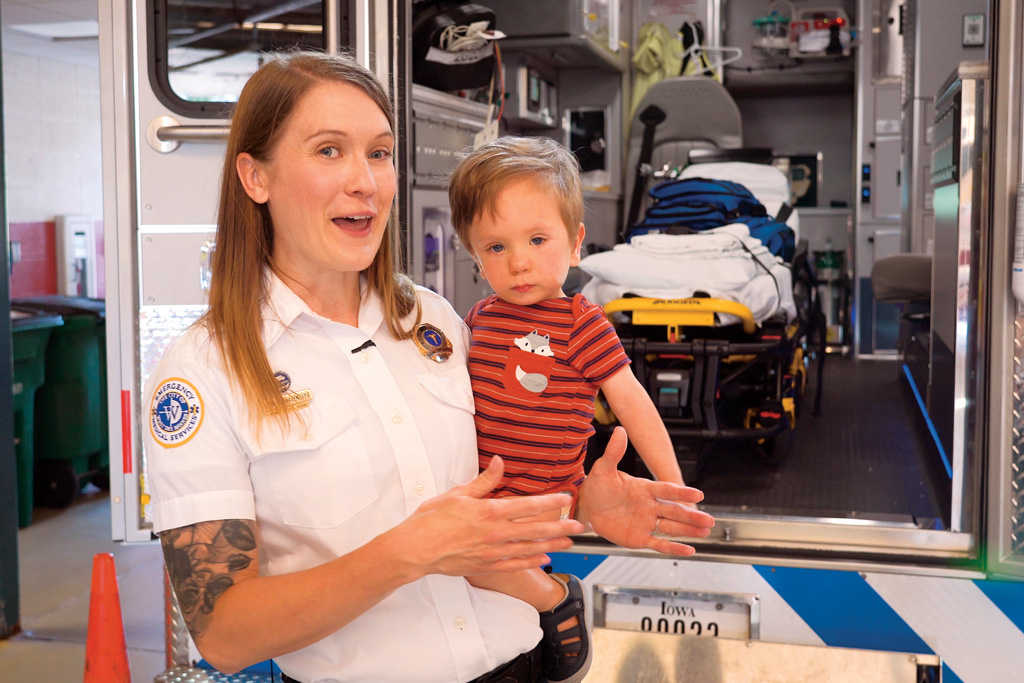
[{"x": 245, "y": 233}]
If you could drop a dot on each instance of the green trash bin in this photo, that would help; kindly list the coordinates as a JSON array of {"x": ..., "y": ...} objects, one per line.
[
  {"x": 30, "y": 332},
  {"x": 71, "y": 444}
]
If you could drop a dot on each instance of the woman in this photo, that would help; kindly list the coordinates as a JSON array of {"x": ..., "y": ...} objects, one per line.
[{"x": 311, "y": 448}]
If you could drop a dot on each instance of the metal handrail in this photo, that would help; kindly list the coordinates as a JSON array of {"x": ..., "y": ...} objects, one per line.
[{"x": 193, "y": 133}]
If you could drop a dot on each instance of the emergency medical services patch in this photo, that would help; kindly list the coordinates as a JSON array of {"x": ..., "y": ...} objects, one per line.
[{"x": 176, "y": 412}]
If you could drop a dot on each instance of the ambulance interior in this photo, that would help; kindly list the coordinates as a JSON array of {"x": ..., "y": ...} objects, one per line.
[
  {"x": 848, "y": 115},
  {"x": 842, "y": 98}
]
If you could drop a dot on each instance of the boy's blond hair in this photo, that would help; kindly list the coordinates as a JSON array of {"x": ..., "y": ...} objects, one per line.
[{"x": 486, "y": 171}]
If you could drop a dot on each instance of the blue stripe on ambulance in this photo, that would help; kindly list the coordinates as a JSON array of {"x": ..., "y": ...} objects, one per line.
[
  {"x": 975, "y": 626},
  {"x": 576, "y": 564},
  {"x": 973, "y": 634},
  {"x": 843, "y": 609},
  {"x": 859, "y": 619}
]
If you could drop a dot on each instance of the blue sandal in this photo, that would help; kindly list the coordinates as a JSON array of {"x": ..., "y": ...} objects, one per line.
[{"x": 566, "y": 662}]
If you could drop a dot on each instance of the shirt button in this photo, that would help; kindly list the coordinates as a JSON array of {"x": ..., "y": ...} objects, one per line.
[
  {"x": 397, "y": 418},
  {"x": 419, "y": 489},
  {"x": 365, "y": 356},
  {"x": 460, "y": 623}
]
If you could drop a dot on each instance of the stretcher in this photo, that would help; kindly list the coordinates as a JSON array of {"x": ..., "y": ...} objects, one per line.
[
  {"x": 713, "y": 383},
  {"x": 719, "y": 330}
]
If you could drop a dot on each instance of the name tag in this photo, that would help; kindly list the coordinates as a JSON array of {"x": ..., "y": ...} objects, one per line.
[{"x": 298, "y": 399}]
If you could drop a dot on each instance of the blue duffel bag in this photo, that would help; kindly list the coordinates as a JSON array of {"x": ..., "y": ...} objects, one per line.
[{"x": 696, "y": 204}]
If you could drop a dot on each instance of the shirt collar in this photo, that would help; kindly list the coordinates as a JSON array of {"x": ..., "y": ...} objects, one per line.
[{"x": 283, "y": 307}]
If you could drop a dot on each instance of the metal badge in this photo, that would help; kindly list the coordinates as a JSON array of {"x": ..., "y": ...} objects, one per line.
[
  {"x": 432, "y": 343},
  {"x": 299, "y": 399},
  {"x": 284, "y": 380}
]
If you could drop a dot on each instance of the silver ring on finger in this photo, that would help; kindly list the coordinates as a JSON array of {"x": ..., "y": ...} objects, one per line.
[{"x": 657, "y": 525}]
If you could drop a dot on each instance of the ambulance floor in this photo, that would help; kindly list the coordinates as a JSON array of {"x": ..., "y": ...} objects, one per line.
[
  {"x": 55, "y": 555},
  {"x": 868, "y": 454}
]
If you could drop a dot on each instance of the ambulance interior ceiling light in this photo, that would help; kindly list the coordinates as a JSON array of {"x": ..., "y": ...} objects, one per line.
[
  {"x": 60, "y": 30},
  {"x": 249, "y": 26}
]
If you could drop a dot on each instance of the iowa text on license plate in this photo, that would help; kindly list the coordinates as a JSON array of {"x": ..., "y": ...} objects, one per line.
[{"x": 727, "y": 615}]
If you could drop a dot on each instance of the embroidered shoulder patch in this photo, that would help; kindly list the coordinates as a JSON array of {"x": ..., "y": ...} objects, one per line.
[{"x": 176, "y": 412}]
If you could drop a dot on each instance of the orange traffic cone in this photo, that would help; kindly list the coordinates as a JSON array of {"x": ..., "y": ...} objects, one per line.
[{"x": 106, "y": 651}]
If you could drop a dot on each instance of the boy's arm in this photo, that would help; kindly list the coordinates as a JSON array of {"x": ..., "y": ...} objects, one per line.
[{"x": 636, "y": 412}]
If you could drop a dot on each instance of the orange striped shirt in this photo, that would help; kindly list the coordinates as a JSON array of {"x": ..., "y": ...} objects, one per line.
[{"x": 535, "y": 372}]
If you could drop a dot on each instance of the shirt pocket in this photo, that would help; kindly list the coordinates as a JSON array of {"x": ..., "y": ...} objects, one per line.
[
  {"x": 527, "y": 374},
  {"x": 319, "y": 471},
  {"x": 454, "y": 396}
]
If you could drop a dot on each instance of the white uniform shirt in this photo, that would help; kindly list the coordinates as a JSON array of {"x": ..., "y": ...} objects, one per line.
[{"x": 386, "y": 429}]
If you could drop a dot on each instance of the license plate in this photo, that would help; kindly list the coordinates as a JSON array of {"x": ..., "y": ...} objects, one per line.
[{"x": 658, "y": 610}]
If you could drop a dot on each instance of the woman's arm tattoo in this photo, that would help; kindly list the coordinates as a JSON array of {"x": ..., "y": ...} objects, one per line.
[{"x": 204, "y": 560}]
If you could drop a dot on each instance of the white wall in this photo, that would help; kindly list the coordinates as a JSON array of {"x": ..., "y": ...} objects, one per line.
[{"x": 52, "y": 138}]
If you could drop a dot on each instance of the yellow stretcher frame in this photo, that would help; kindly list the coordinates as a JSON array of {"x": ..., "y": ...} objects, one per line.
[
  {"x": 676, "y": 313},
  {"x": 704, "y": 425}
]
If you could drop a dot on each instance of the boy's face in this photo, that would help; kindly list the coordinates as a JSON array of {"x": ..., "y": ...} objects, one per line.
[{"x": 523, "y": 249}]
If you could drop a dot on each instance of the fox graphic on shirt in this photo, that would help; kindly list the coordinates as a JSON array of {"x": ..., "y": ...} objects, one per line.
[{"x": 540, "y": 345}]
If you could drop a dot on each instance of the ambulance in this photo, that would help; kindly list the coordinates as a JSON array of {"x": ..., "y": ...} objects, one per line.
[{"x": 882, "y": 539}]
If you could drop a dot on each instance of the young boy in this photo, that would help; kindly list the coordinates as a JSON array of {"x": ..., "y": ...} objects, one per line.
[{"x": 537, "y": 358}]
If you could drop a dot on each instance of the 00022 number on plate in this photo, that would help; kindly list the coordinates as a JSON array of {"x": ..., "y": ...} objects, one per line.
[{"x": 665, "y": 611}]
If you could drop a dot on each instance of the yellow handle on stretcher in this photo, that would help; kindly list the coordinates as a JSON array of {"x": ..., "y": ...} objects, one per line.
[{"x": 675, "y": 312}]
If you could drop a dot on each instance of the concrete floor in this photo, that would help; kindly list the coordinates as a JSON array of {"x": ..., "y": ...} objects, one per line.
[{"x": 55, "y": 558}]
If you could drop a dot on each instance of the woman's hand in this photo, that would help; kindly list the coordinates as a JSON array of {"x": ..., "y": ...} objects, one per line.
[
  {"x": 636, "y": 513},
  {"x": 461, "y": 533}
]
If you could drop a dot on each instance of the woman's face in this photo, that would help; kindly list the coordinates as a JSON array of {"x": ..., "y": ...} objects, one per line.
[{"x": 328, "y": 184}]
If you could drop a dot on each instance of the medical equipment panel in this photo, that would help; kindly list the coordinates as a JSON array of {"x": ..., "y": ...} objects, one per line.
[
  {"x": 443, "y": 125},
  {"x": 594, "y": 20}
]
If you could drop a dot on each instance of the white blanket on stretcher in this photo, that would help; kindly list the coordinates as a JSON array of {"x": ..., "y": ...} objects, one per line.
[{"x": 724, "y": 263}]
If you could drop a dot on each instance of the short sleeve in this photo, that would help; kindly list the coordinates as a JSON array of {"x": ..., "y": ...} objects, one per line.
[
  {"x": 594, "y": 346},
  {"x": 475, "y": 311},
  {"x": 197, "y": 468}
]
